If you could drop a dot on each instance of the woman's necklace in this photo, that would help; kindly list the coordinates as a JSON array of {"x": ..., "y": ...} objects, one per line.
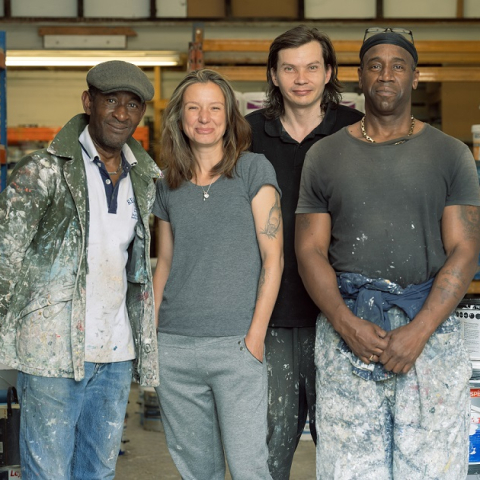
[
  {"x": 371, "y": 140},
  {"x": 117, "y": 171},
  {"x": 205, "y": 192}
]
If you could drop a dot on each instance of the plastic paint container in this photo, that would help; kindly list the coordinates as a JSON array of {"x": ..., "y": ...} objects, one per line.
[
  {"x": 474, "y": 448},
  {"x": 468, "y": 312}
]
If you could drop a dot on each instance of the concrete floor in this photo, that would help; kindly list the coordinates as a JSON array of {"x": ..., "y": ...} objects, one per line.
[{"x": 146, "y": 456}]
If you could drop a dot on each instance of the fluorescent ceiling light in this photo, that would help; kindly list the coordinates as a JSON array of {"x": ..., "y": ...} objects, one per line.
[{"x": 88, "y": 58}]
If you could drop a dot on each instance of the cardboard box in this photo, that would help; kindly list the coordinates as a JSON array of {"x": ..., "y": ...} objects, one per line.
[
  {"x": 423, "y": 9},
  {"x": 52, "y": 8},
  {"x": 121, "y": 9},
  {"x": 171, "y": 8},
  {"x": 471, "y": 8},
  {"x": 336, "y": 9},
  {"x": 265, "y": 8},
  {"x": 205, "y": 8}
]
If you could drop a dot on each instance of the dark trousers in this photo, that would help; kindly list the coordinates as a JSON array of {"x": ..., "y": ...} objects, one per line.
[{"x": 291, "y": 394}]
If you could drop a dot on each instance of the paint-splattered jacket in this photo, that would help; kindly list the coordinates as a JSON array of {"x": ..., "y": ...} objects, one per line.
[{"x": 43, "y": 262}]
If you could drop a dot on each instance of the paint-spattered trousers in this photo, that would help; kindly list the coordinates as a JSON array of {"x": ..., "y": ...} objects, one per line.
[
  {"x": 72, "y": 430},
  {"x": 413, "y": 426},
  {"x": 289, "y": 353}
]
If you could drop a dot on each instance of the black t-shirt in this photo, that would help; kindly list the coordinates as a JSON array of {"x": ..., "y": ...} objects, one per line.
[{"x": 294, "y": 308}]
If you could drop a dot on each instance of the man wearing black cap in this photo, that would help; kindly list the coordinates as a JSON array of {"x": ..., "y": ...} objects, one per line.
[
  {"x": 76, "y": 303},
  {"x": 388, "y": 235}
]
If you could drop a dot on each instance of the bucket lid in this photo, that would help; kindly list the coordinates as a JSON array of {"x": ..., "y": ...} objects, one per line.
[{"x": 475, "y": 128}]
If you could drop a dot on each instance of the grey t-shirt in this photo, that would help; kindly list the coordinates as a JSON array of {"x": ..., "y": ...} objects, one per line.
[
  {"x": 386, "y": 201},
  {"x": 212, "y": 286}
]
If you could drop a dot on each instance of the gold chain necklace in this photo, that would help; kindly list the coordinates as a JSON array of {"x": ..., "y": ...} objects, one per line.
[{"x": 371, "y": 140}]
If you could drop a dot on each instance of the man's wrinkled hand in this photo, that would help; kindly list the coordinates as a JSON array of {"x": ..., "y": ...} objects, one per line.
[
  {"x": 405, "y": 344},
  {"x": 365, "y": 339}
]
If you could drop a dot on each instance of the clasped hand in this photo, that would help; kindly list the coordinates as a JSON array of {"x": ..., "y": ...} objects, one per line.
[{"x": 397, "y": 350}]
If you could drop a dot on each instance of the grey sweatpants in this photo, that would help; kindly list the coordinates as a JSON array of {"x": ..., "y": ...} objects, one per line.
[
  {"x": 291, "y": 394},
  {"x": 413, "y": 426},
  {"x": 213, "y": 398}
]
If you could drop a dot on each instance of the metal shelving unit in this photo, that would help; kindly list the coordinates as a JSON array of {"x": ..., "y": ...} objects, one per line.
[{"x": 3, "y": 113}]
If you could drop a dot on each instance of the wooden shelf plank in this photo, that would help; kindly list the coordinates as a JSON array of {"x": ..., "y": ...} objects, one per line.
[
  {"x": 429, "y": 51},
  {"x": 16, "y": 135},
  {"x": 349, "y": 74},
  {"x": 127, "y": 31},
  {"x": 240, "y": 45},
  {"x": 474, "y": 287},
  {"x": 253, "y": 74}
]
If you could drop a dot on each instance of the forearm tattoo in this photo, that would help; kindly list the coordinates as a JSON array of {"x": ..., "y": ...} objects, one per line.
[
  {"x": 261, "y": 282},
  {"x": 272, "y": 225}
]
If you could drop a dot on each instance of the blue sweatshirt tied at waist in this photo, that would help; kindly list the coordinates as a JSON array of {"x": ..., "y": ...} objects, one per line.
[{"x": 371, "y": 299}]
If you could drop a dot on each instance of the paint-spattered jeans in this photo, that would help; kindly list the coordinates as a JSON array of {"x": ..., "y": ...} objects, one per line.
[
  {"x": 73, "y": 430},
  {"x": 409, "y": 427}
]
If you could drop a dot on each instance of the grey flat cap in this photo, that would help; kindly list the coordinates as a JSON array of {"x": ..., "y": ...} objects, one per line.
[{"x": 117, "y": 75}]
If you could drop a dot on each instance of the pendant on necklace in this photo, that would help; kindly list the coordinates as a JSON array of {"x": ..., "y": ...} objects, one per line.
[{"x": 205, "y": 196}]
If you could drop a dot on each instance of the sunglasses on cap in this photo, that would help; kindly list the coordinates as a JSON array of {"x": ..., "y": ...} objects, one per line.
[{"x": 370, "y": 32}]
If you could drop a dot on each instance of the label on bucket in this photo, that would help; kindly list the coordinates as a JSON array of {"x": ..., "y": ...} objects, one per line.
[
  {"x": 474, "y": 450},
  {"x": 469, "y": 316}
]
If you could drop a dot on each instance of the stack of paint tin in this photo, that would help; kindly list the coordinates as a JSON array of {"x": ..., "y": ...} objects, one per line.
[
  {"x": 468, "y": 311},
  {"x": 151, "y": 410}
]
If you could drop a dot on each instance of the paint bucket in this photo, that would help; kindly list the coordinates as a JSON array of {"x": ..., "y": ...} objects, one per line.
[
  {"x": 10, "y": 473},
  {"x": 474, "y": 448},
  {"x": 476, "y": 142},
  {"x": 468, "y": 311}
]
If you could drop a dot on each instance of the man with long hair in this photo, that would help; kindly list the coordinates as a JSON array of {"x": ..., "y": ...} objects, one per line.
[{"x": 303, "y": 96}]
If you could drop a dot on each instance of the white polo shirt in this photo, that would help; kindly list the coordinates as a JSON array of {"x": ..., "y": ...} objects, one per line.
[{"x": 112, "y": 221}]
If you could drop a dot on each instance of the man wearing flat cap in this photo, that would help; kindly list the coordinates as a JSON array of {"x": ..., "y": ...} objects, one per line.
[
  {"x": 76, "y": 302},
  {"x": 387, "y": 239}
]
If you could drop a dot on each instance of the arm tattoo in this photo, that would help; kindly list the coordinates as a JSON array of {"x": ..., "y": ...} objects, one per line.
[
  {"x": 303, "y": 221},
  {"x": 261, "y": 282},
  {"x": 470, "y": 218},
  {"x": 450, "y": 285},
  {"x": 274, "y": 220},
  {"x": 453, "y": 280}
]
